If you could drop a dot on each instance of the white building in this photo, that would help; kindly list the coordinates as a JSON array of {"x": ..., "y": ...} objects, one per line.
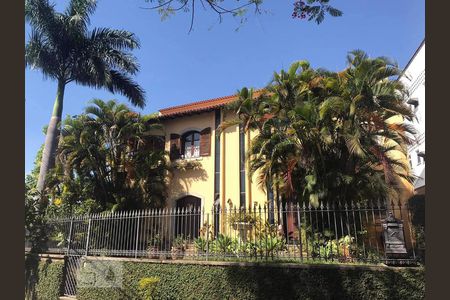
[{"x": 413, "y": 77}]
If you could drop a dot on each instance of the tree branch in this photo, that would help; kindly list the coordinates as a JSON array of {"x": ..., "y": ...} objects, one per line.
[
  {"x": 159, "y": 6},
  {"x": 192, "y": 16}
]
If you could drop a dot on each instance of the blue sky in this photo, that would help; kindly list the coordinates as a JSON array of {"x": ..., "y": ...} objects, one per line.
[{"x": 215, "y": 60}]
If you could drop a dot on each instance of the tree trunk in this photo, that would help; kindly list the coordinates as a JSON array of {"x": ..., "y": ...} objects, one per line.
[{"x": 51, "y": 138}]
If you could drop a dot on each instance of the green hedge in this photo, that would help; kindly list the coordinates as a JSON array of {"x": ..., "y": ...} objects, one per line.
[
  {"x": 44, "y": 278},
  {"x": 181, "y": 281}
]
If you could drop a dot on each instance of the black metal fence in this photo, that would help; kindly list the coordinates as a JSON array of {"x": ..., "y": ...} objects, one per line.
[{"x": 342, "y": 232}]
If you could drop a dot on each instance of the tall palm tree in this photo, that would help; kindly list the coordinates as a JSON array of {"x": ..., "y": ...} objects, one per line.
[
  {"x": 326, "y": 135},
  {"x": 62, "y": 47}
]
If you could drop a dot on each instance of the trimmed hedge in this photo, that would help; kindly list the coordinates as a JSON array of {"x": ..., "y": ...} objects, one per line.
[
  {"x": 182, "y": 281},
  {"x": 44, "y": 278}
]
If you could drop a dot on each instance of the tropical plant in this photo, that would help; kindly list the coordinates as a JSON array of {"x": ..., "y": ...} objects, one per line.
[
  {"x": 153, "y": 246},
  {"x": 35, "y": 220},
  {"x": 108, "y": 154},
  {"x": 63, "y": 48},
  {"x": 329, "y": 136},
  {"x": 416, "y": 205},
  {"x": 223, "y": 244},
  {"x": 323, "y": 245},
  {"x": 200, "y": 244},
  {"x": 179, "y": 242},
  {"x": 206, "y": 231},
  {"x": 269, "y": 245},
  {"x": 178, "y": 247},
  {"x": 155, "y": 241}
]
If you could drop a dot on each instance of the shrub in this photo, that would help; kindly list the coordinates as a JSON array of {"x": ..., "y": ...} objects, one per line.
[
  {"x": 191, "y": 281},
  {"x": 43, "y": 278},
  {"x": 147, "y": 287}
]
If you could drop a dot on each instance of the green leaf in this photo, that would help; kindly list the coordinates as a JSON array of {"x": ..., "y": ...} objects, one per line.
[{"x": 314, "y": 200}]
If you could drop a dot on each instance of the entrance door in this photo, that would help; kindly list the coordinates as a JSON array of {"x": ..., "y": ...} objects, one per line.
[{"x": 187, "y": 221}]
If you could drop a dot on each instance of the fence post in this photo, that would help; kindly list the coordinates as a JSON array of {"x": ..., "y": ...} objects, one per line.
[
  {"x": 300, "y": 231},
  {"x": 207, "y": 235},
  {"x": 69, "y": 241},
  {"x": 88, "y": 234},
  {"x": 137, "y": 236}
]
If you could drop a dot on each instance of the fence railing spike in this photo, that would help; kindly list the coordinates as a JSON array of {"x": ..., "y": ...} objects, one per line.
[{"x": 120, "y": 236}]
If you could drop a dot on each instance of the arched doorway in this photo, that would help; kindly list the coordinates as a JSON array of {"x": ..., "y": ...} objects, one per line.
[{"x": 187, "y": 221}]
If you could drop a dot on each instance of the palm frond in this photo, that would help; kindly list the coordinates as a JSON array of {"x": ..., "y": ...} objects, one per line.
[
  {"x": 114, "y": 39},
  {"x": 39, "y": 55},
  {"x": 79, "y": 12}
]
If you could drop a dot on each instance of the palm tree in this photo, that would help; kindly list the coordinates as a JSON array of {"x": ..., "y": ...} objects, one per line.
[
  {"x": 108, "y": 151},
  {"x": 62, "y": 47},
  {"x": 326, "y": 135}
]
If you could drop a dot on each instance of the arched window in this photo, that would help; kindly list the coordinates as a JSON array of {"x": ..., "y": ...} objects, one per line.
[{"x": 190, "y": 144}]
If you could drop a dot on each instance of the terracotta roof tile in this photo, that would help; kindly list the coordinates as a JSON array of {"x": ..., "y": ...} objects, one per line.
[{"x": 198, "y": 106}]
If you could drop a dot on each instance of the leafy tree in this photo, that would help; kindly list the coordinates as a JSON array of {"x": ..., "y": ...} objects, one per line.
[
  {"x": 62, "y": 47},
  {"x": 311, "y": 10},
  {"x": 325, "y": 135},
  {"x": 108, "y": 159}
]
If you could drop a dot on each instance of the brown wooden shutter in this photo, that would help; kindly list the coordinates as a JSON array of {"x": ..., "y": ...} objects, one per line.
[
  {"x": 205, "y": 142},
  {"x": 175, "y": 146}
]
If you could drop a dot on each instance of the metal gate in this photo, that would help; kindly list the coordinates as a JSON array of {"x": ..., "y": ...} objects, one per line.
[
  {"x": 76, "y": 247},
  {"x": 72, "y": 265}
]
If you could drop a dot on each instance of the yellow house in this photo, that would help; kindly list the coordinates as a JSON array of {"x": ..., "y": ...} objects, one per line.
[
  {"x": 214, "y": 170},
  {"x": 221, "y": 176}
]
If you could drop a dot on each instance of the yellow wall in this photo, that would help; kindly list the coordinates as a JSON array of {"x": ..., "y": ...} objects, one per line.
[
  {"x": 259, "y": 196},
  {"x": 252, "y": 191},
  {"x": 230, "y": 140},
  {"x": 200, "y": 183}
]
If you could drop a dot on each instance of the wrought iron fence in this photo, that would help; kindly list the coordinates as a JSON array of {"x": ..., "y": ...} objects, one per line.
[{"x": 343, "y": 232}]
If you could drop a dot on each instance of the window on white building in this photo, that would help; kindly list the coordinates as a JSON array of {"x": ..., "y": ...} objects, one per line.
[{"x": 419, "y": 159}]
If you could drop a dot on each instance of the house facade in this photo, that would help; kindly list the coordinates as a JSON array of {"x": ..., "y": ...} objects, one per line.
[
  {"x": 213, "y": 169},
  {"x": 413, "y": 77}
]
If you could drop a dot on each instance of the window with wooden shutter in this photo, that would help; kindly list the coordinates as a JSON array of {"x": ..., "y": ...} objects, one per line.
[
  {"x": 205, "y": 142},
  {"x": 190, "y": 144},
  {"x": 174, "y": 146}
]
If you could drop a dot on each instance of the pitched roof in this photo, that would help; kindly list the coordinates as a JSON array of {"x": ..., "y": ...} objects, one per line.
[
  {"x": 198, "y": 106},
  {"x": 411, "y": 59}
]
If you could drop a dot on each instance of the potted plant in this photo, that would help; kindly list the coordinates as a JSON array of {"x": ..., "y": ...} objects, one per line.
[
  {"x": 200, "y": 245},
  {"x": 152, "y": 248},
  {"x": 345, "y": 244},
  {"x": 243, "y": 222},
  {"x": 178, "y": 247}
]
